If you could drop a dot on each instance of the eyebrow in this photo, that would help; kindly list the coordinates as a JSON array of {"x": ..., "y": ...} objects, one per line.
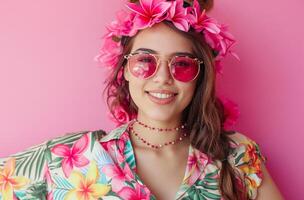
[{"x": 172, "y": 54}]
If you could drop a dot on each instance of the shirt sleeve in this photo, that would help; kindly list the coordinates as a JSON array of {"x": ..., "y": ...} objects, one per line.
[
  {"x": 247, "y": 159},
  {"x": 22, "y": 175}
]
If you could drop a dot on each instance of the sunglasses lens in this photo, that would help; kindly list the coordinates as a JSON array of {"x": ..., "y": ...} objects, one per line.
[
  {"x": 142, "y": 65},
  {"x": 184, "y": 69}
]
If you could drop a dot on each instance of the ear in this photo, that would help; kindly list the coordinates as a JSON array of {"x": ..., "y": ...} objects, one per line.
[{"x": 126, "y": 73}]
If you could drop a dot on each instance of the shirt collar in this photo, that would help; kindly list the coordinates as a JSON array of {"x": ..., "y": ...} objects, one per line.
[{"x": 116, "y": 133}]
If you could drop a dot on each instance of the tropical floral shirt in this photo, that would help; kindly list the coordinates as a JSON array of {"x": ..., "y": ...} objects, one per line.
[{"x": 94, "y": 165}]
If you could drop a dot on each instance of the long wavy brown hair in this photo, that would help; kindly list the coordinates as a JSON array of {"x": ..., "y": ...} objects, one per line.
[{"x": 204, "y": 115}]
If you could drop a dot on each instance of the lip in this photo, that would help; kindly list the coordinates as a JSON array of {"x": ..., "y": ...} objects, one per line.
[
  {"x": 161, "y": 101},
  {"x": 162, "y": 91}
]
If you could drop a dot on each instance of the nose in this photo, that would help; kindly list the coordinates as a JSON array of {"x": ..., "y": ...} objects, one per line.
[{"x": 163, "y": 75}]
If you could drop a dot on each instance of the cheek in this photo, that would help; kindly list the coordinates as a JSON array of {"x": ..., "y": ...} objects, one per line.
[
  {"x": 188, "y": 87},
  {"x": 136, "y": 90},
  {"x": 188, "y": 93}
]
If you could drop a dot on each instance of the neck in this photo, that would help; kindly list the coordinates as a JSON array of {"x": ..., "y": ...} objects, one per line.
[
  {"x": 154, "y": 136},
  {"x": 160, "y": 123}
]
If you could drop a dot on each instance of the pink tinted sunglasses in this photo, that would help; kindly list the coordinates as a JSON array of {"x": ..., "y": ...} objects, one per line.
[{"x": 182, "y": 67}]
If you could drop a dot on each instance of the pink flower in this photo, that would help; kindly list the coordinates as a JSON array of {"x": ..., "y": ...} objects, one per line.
[
  {"x": 195, "y": 161},
  {"x": 200, "y": 21},
  {"x": 120, "y": 116},
  {"x": 139, "y": 193},
  {"x": 216, "y": 35},
  {"x": 111, "y": 48},
  {"x": 149, "y": 12},
  {"x": 109, "y": 53},
  {"x": 231, "y": 112},
  {"x": 178, "y": 15},
  {"x": 123, "y": 25},
  {"x": 117, "y": 175},
  {"x": 220, "y": 42},
  {"x": 50, "y": 196},
  {"x": 72, "y": 156},
  {"x": 197, "y": 157}
]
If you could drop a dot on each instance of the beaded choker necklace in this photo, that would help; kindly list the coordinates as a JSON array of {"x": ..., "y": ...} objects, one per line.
[
  {"x": 160, "y": 129},
  {"x": 156, "y": 146}
]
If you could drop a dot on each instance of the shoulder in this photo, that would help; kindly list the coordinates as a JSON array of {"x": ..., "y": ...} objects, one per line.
[
  {"x": 83, "y": 140},
  {"x": 238, "y": 138},
  {"x": 70, "y": 138},
  {"x": 246, "y": 157},
  {"x": 241, "y": 143},
  {"x": 79, "y": 140},
  {"x": 39, "y": 150},
  {"x": 244, "y": 149}
]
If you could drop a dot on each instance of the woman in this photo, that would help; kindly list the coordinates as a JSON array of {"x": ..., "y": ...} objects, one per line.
[{"x": 173, "y": 144}]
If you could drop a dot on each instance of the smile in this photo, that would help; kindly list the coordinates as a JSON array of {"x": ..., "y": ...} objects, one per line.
[{"x": 161, "y": 97}]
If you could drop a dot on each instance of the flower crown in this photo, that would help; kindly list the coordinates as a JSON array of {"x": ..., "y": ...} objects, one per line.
[
  {"x": 150, "y": 12},
  {"x": 185, "y": 15}
]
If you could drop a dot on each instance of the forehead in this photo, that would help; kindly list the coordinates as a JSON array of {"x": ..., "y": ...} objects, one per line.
[{"x": 163, "y": 39}]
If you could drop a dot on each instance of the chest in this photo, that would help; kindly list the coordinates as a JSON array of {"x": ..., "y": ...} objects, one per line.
[{"x": 162, "y": 174}]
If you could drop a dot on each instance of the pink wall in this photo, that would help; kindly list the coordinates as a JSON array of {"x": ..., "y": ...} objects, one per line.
[{"x": 50, "y": 85}]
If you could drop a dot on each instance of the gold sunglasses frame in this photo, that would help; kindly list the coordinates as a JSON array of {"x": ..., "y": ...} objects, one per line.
[{"x": 199, "y": 62}]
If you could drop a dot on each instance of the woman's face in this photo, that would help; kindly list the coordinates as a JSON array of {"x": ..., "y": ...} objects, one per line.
[{"x": 165, "y": 42}]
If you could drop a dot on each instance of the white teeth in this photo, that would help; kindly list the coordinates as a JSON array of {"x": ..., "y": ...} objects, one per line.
[{"x": 161, "y": 95}]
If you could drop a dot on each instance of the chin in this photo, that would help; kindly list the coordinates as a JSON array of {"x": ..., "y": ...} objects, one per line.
[{"x": 160, "y": 116}]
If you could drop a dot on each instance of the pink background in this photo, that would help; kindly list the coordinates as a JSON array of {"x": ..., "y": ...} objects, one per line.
[{"x": 50, "y": 84}]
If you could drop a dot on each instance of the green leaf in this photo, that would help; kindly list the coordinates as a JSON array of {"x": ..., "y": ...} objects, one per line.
[
  {"x": 210, "y": 195},
  {"x": 93, "y": 138},
  {"x": 38, "y": 191},
  {"x": 192, "y": 191},
  {"x": 152, "y": 197},
  {"x": 48, "y": 155},
  {"x": 57, "y": 159},
  {"x": 209, "y": 175},
  {"x": 210, "y": 180},
  {"x": 67, "y": 139},
  {"x": 210, "y": 187},
  {"x": 31, "y": 162},
  {"x": 196, "y": 196},
  {"x": 237, "y": 160},
  {"x": 62, "y": 182},
  {"x": 130, "y": 184}
]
